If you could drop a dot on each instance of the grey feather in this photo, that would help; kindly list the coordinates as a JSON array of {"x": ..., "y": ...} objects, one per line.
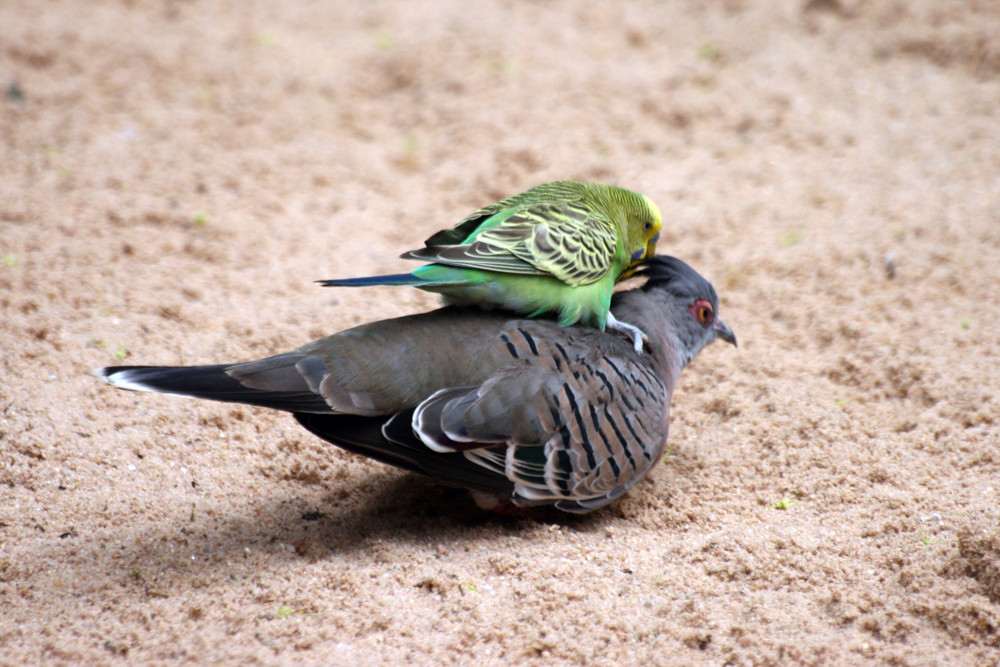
[{"x": 523, "y": 409}]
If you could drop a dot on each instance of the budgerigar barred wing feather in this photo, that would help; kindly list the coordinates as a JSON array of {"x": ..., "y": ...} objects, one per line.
[
  {"x": 478, "y": 255},
  {"x": 568, "y": 240},
  {"x": 557, "y": 248},
  {"x": 574, "y": 243},
  {"x": 484, "y": 217},
  {"x": 579, "y": 418}
]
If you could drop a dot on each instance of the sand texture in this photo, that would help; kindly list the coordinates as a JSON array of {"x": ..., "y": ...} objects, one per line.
[{"x": 176, "y": 174}]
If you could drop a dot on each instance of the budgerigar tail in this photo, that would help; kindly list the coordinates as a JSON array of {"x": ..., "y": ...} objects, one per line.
[
  {"x": 395, "y": 279},
  {"x": 426, "y": 277}
]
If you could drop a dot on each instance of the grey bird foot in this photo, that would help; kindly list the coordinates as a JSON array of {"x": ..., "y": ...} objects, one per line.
[{"x": 634, "y": 333}]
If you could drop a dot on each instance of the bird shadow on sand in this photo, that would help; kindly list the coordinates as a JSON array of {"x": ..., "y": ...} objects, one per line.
[
  {"x": 185, "y": 549},
  {"x": 408, "y": 508}
]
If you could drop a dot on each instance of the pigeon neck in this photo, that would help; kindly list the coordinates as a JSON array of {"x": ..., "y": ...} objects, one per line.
[{"x": 651, "y": 312}]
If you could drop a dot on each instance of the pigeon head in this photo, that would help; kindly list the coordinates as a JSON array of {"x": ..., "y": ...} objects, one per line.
[{"x": 693, "y": 303}]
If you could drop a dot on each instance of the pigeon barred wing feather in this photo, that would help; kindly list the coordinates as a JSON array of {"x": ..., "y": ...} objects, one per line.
[
  {"x": 392, "y": 442},
  {"x": 582, "y": 415}
]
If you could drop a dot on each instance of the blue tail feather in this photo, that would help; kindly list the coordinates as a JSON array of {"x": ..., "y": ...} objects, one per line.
[{"x": 395, "y": 279}]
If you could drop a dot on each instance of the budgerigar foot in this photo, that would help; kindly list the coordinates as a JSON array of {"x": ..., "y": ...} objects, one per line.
[{"x": 634, "y": 333}]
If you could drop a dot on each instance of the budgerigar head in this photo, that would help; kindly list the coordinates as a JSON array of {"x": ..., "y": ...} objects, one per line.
[
  {"x": 638, "y": 221},
  {"x": 655, "y": 221},
  {"x": 641, "y": 222},
  {"x": 693, "y": 304}
]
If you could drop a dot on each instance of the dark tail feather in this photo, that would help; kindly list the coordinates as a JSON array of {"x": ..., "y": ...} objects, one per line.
[
  {"x": 368, "y": 436},
  {"x": 210, "y": 382},
  {"x": 395, "y": 279}
]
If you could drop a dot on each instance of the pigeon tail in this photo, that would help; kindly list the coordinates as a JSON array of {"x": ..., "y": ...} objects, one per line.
[{"x": 209, "y": 382}]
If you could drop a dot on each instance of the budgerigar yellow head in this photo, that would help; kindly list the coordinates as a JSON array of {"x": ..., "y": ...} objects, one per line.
[
  {"x": 644, "y": 220},
  {"x": 656, "y": 224}
]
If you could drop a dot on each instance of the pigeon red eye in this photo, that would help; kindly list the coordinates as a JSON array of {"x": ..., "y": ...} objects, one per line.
[{"x": 702, "y": 311}]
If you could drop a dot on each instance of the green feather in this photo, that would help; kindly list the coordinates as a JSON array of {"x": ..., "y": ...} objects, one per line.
[{"x": 559, "y": 247}]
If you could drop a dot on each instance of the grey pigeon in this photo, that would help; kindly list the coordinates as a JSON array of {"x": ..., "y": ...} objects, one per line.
[{"x": 510, "y": 408}]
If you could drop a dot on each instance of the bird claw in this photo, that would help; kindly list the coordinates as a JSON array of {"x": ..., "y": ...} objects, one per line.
[
  {"x": 632, "y": 332},
  {"x": 505, "y": 508}
]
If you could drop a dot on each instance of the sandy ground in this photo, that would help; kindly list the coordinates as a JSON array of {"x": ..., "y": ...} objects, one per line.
[{"x": 175, "y": 174}]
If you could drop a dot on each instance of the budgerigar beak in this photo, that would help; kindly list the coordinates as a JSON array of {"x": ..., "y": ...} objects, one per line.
[
  {"x": 724, "y": 332},
  {"x": 651, "y": 246}
]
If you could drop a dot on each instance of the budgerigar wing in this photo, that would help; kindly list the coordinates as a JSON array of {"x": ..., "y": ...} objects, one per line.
[{"x": 565, "y": 239}]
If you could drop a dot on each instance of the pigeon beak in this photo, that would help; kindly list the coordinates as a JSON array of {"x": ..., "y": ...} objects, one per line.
[{"x": 724, "y": 332}]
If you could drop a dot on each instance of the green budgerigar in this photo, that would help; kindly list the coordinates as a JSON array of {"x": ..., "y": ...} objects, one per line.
[{"x": 558, "y": 248}]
